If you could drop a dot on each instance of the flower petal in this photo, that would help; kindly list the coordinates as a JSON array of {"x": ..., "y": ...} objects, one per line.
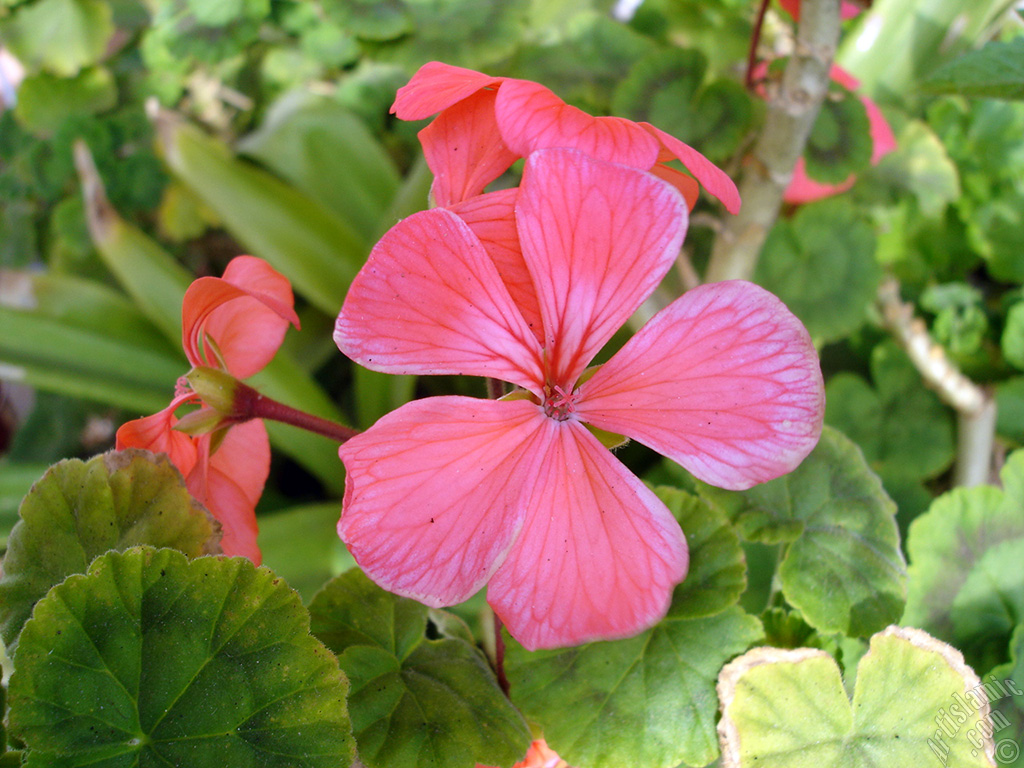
[
  {"x": 437, "y": 86},
  {"x": 156, "y": 433},
  {"x": 531, "y": 117},
  {"x": 432, "y": 493},
  {"x": 724, "y": 381},
  {"x": 598, "y": 554},
  {"x": 803, "y": 189},
  {"x": 464, "y": 149},
  {"x": 687, "y": 185},
  {"x": 597, "y": 238},
  {"x": 246, "y": 312},
  {"x": 231, "y": 484},
  {"x": 492, "y": 218},
  {"x": 430, "y": 301},
  {"x": 710, "y": 176}
]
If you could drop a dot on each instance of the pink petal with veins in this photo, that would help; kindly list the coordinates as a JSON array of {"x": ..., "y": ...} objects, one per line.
[
  {"x": 686, "y": 184},
  {"x": 531, "y": 117},
  {"x": 725, "y": 381},
  {"x": 246, "y": 312},
  {"x": 492, "y": 218},
  {"x": 430, "y": 301},
  {"x": 432, "y": 493},
  {"x": 710, "y": 176},
  {"x": 464, "y": 149},
  {"x": 437, "y": 86},
  {"x": 156, "y": 433},
  {"x": 232, "y": 485},
  {"x": 597, "y": 238},
  {"x": 598, "y": 555}
]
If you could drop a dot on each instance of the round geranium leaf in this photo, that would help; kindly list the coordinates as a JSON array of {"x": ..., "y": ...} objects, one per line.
[
  {"x": 423, "y": 696},
  {"x": 843, "y": 569},
  {"x": 154, "y": 659},
  {"x": 661, "y": 88},
  {"x": 718, "y": 571},
  {"x": 840, "y": 141},
  {"x": 79, "y": 510},
  {"x": 644, "y": 701},
  {"x": 902, "y": 427},
  {"x": 827, "y": 281},
  {"x": 788, "y": 708},
  {"x": 965, "y": 556}
]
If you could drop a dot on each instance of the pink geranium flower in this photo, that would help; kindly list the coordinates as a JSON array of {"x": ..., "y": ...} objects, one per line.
[
  {"x": 487, "y": 123},
  {"x": 236, "y": 323},
  {"x": 803, "y": 189},
  {"x": 447, "y": 494}
]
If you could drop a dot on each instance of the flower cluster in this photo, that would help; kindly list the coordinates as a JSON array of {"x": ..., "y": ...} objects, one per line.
[
  {"x": 447, "y": 494},
  {"x": 235, "y": 324}
]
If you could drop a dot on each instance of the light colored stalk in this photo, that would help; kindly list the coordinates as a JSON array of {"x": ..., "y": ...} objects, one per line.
[
  {"x": 976, "y": 409},
  {"x": 791, "y": 115}
]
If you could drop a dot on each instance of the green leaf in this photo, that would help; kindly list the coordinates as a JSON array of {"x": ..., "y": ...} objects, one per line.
[
  {"x": 843, "y": 569},
  {"x": 56, "y": 356},
  {"x": 415, "y": 702},
  {"x": 902, "y": 427},
  {"x": 1010, "y": 409},
  {"x": 45, "y": 101},
  {"x": 377, "y": 394},
  {"x": 472, "y": 33},
  {"x": 788, "y": 709},
  {"x": 301, "y": 545},
  {"x": 15, "y": 481},
  {"x": 723, "y": 115},
  {"x": 1004, "y": 688},
  {"x": 645, "y": 701},
  {"x": 314, "y": 249},
  {"x": 665, "y": 88},
  {"x": 371, "y": 19},
  {"x": 586, "y": 67},
  {"x": 327, "y": 153},
  {"x": 840, "y": 143},
  {"x": 155, "y": 659},
  {"x": 1012, "y": 341},
  {"x": 717, "y": 574},
  {"x": 661, "y": 88},
  {"x": 59, "y": 36},
  {"x": 921, "y": 165},
  {"x": 150, "y": 275},
  {"x": 965, "y": 555},
  {"x": 79, "y": 510},
  {"x": 827, "y": 281},
  {"x": 995, "y": 71}
]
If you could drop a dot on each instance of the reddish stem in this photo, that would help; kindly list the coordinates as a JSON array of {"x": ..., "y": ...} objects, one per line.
[
  {"x": 499, "y": 656},
  {"x": 755, "y": 38},
  {"x": 257, "y": 406}
]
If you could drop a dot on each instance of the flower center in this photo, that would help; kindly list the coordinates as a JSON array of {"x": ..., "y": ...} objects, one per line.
[{"x": 559, "y": 404}]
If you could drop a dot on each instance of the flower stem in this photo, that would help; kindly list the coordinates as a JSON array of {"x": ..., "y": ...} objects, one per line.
[
  {"x": 755, "y": 38},
  {"x": 499, "y": 656},
  {"x": 257, "y": 406},
  {"x": 790, "y": 117}
]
